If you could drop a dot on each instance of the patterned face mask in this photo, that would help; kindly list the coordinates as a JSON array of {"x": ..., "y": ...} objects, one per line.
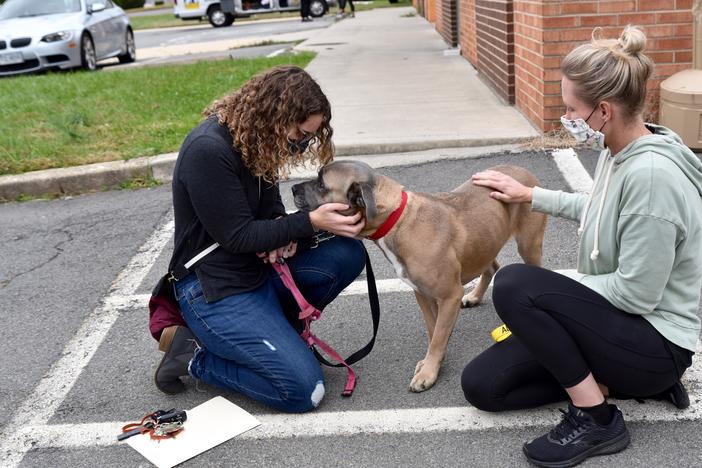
[
  {"x": 583, "y": 133},
  {"x": 300, "y": 146}
]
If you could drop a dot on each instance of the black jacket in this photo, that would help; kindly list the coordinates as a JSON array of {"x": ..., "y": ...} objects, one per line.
[{"x": 217, "y": 199}]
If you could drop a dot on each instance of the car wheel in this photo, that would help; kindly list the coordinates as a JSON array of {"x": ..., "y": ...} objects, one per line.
[
  {"x": 318, "y": 8},
  {"x": 88, "y": 58},
  {"x": 130, "y": 49},
  {"x": 218, "y": 18}
]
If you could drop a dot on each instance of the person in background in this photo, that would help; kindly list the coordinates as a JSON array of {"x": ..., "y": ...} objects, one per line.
[
  {"x": 305, "y": 11},
  {"x": 626, "y": 324},
  {"x": 342, "y": 8}
]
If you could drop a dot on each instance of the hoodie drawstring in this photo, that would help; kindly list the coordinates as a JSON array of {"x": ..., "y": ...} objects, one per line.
[{"x": 609, "y": 165}]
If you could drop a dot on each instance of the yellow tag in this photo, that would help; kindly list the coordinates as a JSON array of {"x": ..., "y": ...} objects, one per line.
[{"x": 500, "y": 333}]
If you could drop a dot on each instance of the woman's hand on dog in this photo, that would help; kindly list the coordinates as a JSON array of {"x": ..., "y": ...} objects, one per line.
[
  {"x": 328, "y": 218},
  {"x": 506, "y": 188}
]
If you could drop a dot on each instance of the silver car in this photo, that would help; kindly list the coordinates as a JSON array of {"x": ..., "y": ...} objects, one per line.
[{"x": 42, "y": 34}]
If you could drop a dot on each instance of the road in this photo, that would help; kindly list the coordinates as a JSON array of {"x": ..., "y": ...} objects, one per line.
[
  {"x": 77, "y": 357},
  {"x": 165, "y": 37}
]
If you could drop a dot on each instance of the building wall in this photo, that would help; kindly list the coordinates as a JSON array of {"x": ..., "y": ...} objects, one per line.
[
  {"x": 468, "y": 31},
  {"x": 517, "y": 45},
  {"x": 545, "y": 31},
  {"x": 495, "y": 45},
  {"x": 447, "y": 21}
]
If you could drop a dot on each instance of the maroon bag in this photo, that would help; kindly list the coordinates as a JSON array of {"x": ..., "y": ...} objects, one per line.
[{"x": 163, "y": 308}]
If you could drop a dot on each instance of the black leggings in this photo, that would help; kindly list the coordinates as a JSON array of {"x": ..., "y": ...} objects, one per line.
[
  {"x": 342, "y": 5},
  {"x": 562, "y": 331}
]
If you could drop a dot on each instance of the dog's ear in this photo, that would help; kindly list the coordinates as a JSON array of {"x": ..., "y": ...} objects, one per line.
[{"x": 361, "y": 196}]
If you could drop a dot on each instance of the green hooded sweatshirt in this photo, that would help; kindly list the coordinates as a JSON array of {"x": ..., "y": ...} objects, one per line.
[{"x": 641, "y": 232}]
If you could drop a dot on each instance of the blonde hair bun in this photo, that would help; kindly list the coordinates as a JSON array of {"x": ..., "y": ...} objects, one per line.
[{"x": 632, "y": 40}]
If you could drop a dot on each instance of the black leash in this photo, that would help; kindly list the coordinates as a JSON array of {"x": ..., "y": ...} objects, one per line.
[{"x": 375, "y": 315}]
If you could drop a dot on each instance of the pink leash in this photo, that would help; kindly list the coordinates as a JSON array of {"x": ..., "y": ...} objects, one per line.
[{"x": 309, "y": 313}]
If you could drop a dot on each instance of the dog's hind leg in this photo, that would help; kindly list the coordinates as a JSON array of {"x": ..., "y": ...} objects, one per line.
[
  {"x": 474, "y": 297},
  {"x": 427, "y": 370},
  {"x": 530, "y": 235}
]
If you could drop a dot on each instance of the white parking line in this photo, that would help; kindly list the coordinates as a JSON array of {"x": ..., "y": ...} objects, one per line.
[
  {"x": 348, "y": 423},
  {"x": 572, "y": 169},
  {"x": 384, "y": 286}
]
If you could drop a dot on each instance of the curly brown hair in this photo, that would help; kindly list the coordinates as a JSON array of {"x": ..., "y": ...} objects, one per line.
[{"x": 260, "y": 114}]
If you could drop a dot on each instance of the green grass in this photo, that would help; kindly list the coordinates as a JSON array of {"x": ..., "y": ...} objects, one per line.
[
  {"x": 68, "y": 119},
  {"x": 158, "y": 21},
  {"x": 139, "y": 183},
  {"x": 169, "y": 21}
]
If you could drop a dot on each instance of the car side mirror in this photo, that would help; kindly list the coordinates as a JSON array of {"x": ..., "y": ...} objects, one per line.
[{"x": 96, "y": 7}]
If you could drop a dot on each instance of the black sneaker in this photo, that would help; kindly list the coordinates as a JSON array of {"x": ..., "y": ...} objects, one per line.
[
  {"x": 576, "y": 438},
  {"x": 677, "y": 394}
]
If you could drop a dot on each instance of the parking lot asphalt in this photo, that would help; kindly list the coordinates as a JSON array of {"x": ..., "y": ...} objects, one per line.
[{"x": 78, "y": 358}]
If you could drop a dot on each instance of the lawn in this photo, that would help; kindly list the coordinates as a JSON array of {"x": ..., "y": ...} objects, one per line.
[
  {"x": 168, "y": 20},
  {"x": 67, "y": 119}
]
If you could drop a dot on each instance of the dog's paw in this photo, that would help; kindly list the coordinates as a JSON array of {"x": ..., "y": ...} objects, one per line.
[
  {"x": 470, "y": 300},
  {"x": 422, "y": 381},
  {"x": 418, "y": 367}
]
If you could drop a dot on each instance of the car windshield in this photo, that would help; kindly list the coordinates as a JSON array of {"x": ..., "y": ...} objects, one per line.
[{"x": 29, "y": 8}]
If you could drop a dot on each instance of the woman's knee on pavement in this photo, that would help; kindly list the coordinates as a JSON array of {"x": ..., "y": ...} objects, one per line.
[
  {"x": 303, "y": 395},
  {"x": 477, "y": 387}
]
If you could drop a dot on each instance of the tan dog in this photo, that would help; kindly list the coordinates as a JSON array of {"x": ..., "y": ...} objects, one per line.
[{"x": 438, "y": 242}]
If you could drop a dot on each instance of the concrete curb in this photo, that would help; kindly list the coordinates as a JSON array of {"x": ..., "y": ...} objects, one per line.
[
  {"x": 423, "y": 145},
  {"x": 87, "y": 178},
  {"x": 110, "y": 175}
]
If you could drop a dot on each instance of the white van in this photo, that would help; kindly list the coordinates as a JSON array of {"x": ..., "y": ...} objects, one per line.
[{"x": 223, "y": 12}]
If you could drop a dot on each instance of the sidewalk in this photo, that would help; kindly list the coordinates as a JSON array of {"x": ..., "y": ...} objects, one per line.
[{"x": 392, "y": 90}]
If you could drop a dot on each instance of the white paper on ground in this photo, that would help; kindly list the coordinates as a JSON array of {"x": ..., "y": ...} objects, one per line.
[{"x": 208, "y": 425}]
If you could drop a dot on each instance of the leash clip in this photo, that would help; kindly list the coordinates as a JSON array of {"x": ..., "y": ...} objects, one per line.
[{"x": 321, "y": 237}]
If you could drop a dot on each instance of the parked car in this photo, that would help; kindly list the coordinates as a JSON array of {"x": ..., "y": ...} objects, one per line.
[
  {"x": 223, "y": 12},
  {"x": 44, "y": 34}
]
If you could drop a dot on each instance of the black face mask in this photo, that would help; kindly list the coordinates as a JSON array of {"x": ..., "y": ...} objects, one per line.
[{"x": 299, "y": 146}]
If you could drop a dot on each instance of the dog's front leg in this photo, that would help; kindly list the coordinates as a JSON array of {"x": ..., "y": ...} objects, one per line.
[
  {"x": 428, "y": 369},
  {"x": 429, "y": 312}
]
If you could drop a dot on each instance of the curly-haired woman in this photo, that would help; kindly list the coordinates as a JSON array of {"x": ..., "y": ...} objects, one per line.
[{"x": 225, "y": 190}]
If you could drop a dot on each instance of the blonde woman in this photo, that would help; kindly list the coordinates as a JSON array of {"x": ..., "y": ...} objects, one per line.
[
  {"x": 628, "y": 321},
  {"x": 241, "y": 321}
]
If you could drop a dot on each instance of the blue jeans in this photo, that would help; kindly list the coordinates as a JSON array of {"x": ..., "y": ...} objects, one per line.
[{"x": 248, "y": 342}]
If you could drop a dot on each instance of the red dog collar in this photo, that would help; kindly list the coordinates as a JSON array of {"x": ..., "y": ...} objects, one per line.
[{"x": 391, "y": 221}]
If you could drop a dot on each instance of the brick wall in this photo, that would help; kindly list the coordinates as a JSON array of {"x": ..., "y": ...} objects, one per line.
[
  {"x": 467, "y": 28},
  {"x": 495, "y": 45},
  {"x": 436, "y": 11},
  {"x": 518, "y": 45},
  {"x": 447, "y": 23},
  {"x": 545, "y": 31}
]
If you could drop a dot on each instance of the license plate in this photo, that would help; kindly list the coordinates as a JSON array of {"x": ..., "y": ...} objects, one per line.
[
  {"x": 192, "y": 5},
  {"x": 11, "y": 59}
]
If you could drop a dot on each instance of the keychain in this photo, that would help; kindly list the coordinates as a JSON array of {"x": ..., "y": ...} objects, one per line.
[{"x": 159, "y": 425}]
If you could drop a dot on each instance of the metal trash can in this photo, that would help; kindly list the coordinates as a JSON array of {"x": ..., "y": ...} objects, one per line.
[{"x": 681, "y": 106}]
